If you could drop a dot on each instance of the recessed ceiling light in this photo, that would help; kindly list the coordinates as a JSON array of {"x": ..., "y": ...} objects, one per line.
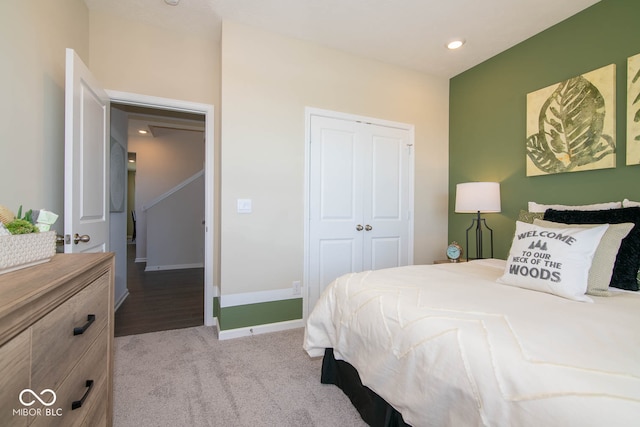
[
  {"x": 172, "y": 2},
  {"x": 455, "y": 44},
  {"x": 143, "y": 132}
]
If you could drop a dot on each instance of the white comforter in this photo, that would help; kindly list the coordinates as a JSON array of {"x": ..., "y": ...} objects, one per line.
[{"x": 448, "y": 346}]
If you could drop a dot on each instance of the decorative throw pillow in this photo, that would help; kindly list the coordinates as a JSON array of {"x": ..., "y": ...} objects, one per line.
[
  {"x": 626, "y": 203},
  {"x": 625, "y": 270},
  {"x": 552, "y": 260},
  {"x": 537, "y": 207},
  {"x": 529, "y": 217},
  {"x": 605, "y": 257}
]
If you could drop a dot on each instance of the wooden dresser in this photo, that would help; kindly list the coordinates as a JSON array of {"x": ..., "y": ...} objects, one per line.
[{"x": 56, "y": 342}]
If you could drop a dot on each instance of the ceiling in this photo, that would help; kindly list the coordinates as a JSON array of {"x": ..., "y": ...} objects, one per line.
[
  {"x": 159, "y": 123},
  {"x": 408, "y": 33}
]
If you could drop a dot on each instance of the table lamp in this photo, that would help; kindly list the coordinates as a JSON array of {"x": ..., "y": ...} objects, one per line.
[{"x": 478, "y": 197}]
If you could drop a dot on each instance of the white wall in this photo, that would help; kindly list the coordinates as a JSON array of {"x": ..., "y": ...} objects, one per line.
[
  {"x": 162, "y": 163},
  {"x": 267, "y": 81},
  {"x": 175, "y": 233},
  {"x": 33, "y": 38}
]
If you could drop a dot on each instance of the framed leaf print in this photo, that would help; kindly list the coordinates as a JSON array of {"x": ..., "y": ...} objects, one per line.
[
  {"x": 633, "y": 110},
  {"x": 571, "y": 125}
]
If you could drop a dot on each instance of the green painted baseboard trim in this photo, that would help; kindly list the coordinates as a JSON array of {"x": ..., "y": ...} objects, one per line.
[
  {"x": 242, "y": 316},
  {"x": 216, "y": 306}
]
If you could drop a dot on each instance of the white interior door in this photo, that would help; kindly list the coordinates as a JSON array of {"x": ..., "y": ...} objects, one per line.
[
  {"x": 386, "y": 197},
  {"x": 359, "y": 199},
  {"x": 86, "y": 186},
  {"x": 335, "y": 205}
]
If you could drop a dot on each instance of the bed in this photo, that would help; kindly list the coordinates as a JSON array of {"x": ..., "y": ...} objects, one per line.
[{"x": 459, "y": 345}]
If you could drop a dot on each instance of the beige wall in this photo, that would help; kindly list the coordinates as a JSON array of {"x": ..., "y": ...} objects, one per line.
[
  {"x": 33, "y": 38},
  {"x": 267, "y": 81},
  {"x": 134, "y": 57}
]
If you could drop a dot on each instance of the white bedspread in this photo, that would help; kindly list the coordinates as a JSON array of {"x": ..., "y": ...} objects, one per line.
[{"x": 446, "y": 345}]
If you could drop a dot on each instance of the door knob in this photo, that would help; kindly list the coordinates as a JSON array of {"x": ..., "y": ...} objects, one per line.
[
  {"x": 368, "y": 227},
  {"x": 78, "y": 238},
  {"x": 359, "y": 227}
]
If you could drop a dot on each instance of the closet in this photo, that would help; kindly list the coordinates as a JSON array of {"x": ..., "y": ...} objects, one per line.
[{"x": 360, "y": 198}]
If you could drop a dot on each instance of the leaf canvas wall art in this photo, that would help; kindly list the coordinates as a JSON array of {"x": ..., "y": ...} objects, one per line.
[
  {"x": 633, "y": 110},
  {"x": 571, "y": 125}
]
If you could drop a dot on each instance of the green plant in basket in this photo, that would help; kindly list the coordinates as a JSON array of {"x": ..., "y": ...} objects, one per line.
[{"x": 21, "y": 226}]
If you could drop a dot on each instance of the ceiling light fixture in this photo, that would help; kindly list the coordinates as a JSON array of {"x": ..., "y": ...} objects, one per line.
[
  {"x": 172, "y": 2},
  {"x": 455, "y": 44},
  {"x": 143, "y": 132}
]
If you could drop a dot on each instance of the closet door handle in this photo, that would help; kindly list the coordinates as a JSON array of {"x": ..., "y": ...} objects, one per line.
[
  {"x": 359, "y": 227},
  {"x": 78, "y": 403},
  {"x": 79, "y": 330},
  {"x": 368, "y": 227}
]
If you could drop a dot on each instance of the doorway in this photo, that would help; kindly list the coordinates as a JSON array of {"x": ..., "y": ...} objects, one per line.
[
  {"x": 176, "y": 107},
  {"x": 165, "y": 206}
]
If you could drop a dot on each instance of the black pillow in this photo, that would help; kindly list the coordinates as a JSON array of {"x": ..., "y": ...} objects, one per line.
[{"x": 625, "y": 270}]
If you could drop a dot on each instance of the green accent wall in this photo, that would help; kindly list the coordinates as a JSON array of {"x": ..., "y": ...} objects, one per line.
[
  {"x": 242, "y": 316},
  {"x": 487, "y": 122}
]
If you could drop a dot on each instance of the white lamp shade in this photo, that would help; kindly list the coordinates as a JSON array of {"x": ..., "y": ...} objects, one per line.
[{"x": 472, "y": 197}]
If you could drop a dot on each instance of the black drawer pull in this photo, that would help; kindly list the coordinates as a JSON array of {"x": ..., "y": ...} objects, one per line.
[
  {"x": 81, "y": 330},
  {"x": 78, "y": 403}
]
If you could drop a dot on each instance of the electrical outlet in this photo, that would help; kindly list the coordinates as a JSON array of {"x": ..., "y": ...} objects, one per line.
[{"x": 297, "y": 288}]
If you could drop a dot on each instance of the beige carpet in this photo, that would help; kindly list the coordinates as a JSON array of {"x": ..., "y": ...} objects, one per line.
[{"x": 186, "y": 377}]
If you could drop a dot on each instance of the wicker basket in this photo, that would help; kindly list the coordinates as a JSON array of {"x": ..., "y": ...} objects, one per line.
[{"x": 24, "y": 250}]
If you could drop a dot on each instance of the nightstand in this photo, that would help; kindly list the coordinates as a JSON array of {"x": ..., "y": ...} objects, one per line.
[{"x": 446, "y": 261}]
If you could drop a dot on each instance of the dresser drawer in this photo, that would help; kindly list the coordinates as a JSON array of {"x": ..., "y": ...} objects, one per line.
[
  {"x": 40, "y": 356},
  {"x": 14, "y": 377},
  {"x": 55, "y": 347},
  {"x": 97, "y": 414},
  {"x": 92, "y": 366}
]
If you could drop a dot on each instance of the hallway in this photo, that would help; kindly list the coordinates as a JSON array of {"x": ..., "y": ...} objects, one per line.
[{"x": 160, "y": 300}]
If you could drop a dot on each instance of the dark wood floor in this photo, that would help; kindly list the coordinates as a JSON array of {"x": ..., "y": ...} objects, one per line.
[{"x": 160, "y": 300}]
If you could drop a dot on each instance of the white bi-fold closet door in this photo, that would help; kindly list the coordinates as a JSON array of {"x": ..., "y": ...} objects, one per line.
[{"x": 360, "y": 199}]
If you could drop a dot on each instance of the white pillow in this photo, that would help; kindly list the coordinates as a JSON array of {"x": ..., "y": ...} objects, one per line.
[
  {"x": 552, "y": 260},
  {"x": 626, "y": 203},
  {"x": 537, "y": 207}
]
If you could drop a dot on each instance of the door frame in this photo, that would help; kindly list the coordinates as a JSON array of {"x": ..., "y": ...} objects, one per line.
[
  {"x": 310, "y": 112},
  {"x": 210, "y": 291}
]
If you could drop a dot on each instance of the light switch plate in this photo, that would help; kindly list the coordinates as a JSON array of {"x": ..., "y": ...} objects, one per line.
[{"x": 244, "y": 206}]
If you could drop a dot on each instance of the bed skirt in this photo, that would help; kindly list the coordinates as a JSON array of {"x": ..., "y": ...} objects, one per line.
[{"x": 373, "y": 409}]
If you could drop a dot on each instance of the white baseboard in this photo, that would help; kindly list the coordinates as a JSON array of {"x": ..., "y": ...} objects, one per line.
[
  {"x": 172, "y": 267},
  {"x": 259, "y": 329},
  {"x": 121, "y": 300}
]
